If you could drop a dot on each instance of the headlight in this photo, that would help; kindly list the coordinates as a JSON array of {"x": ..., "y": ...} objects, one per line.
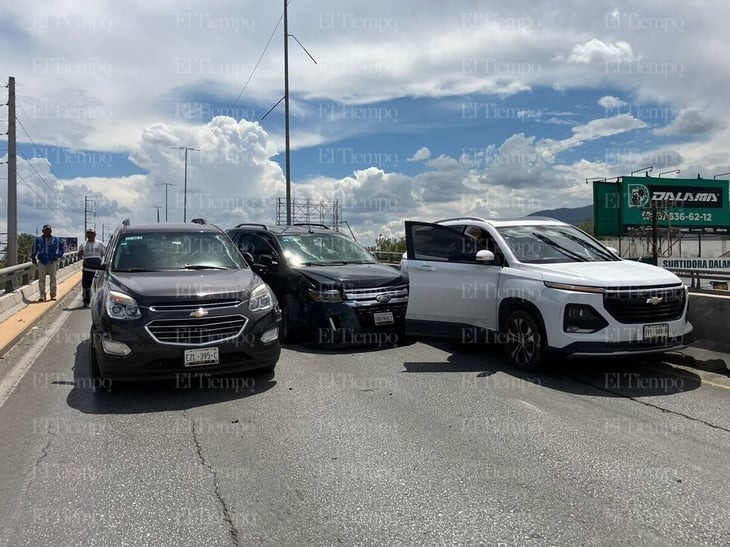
[
  {"x": 121, "y": 306},
  {"x": 325, "y": 296},
  {"x": 574, "y": 288},
  {"x": 261, "y": 299}
]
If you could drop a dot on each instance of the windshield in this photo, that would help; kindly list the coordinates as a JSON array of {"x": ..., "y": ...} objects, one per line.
[
  {"x": 162, "y": 251},
  {"x": 319, "y": 248},
  {"x": 553, "y": 244}
]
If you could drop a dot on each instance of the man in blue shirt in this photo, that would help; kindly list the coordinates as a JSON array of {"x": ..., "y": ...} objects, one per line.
[{"x": 46, "y": 251}]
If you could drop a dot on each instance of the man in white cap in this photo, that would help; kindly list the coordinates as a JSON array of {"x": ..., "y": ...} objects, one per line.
[
  {"x": 47, "y": 249},
  {"x": 90, "y": 249}
]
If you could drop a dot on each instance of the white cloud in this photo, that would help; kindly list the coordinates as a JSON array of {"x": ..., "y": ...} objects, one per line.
[
  {"x": 420, "y": 155},
  {"x": 596, "y": 50},
  {"x": 609, "y": 103}
]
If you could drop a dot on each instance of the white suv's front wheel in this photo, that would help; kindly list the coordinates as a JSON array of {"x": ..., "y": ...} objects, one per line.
[{"x": 524, "y": 342}]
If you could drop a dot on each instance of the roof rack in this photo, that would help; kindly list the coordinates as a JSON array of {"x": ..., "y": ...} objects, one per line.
[
  {"x": 479, "y": 219},
  {"x": 262, "y": 226},
  {"x": 310, "y": 224},
  {"x": 126, "y": 222},
  {"x": 199, "y": 221}
]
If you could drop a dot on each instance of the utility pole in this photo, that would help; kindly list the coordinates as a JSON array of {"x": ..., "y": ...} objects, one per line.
[
  {"x": 12, "y": 257},
  {"x": 166, "y": 185},
  {"x": 286, "y": 113},
  {"x": 185, "y": 189},
  {"x": 158, "y": 207}
]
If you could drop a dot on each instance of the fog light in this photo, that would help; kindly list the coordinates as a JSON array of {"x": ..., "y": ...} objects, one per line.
[
  {"x": 582, "y": 319},
  {"x": 115, "y": 348},
  {"x": 270, "y": 335}
]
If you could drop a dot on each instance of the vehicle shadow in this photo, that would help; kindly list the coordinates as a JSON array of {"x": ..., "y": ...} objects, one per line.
[
  {"x": 158, "y": 396},
  {"x": 341, "y": 349},
  {"x": 607, "y": 377}
]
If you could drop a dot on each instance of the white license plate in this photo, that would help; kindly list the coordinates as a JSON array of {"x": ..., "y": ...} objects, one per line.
[
  {"x": 200, "y": 357},
  {"x": 660, "y": 331},
  {"x": 383, "y": 318}
]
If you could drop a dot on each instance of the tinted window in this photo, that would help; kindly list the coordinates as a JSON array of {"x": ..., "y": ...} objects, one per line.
[
  {"x": 256, "y": 245},
  {"x": 432, "y": 242}
]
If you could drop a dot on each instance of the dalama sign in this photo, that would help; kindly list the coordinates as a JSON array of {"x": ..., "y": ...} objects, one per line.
[{"x": 697, "y": 263}]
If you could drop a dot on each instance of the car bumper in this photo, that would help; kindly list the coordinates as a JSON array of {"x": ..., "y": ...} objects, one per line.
[
  {"x": 155, "y": 361},
  {"x": 341, "y": 324},
  {"x": 578, "y": 350}
]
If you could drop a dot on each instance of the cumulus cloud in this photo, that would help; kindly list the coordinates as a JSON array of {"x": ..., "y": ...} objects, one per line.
[
  {"x": 610, "y": 103},
  {"x": 420, "y": 155},
  {"x": 595, "y": 50}
]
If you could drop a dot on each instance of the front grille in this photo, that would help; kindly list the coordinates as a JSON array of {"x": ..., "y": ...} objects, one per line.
[
  {"x": 365, "y": 315},
  {"x": 635, "y": 306},
  {"x": 194, "y": 332},
  {"x": 182, "y": 306},
  {"x": 376, "y": 295}
]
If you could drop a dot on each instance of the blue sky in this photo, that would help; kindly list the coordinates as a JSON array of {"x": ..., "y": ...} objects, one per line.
[{"x": 461, "y": 108}]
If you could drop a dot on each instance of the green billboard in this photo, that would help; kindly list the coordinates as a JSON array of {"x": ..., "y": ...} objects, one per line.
[{"x": 689, "y": 205}]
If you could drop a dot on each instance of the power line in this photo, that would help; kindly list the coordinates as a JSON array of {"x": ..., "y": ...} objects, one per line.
[
  {"x": 50, "y": 166},
  {"x": 37, "y": 194},
  {"x": 250, "y": 77},
  {"x": 42, "y": 179}
]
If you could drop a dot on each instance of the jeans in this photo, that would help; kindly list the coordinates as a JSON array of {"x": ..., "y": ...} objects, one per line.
[{"x": 87, "y": 279}]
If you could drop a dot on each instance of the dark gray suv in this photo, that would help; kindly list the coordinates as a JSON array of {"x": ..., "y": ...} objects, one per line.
[{"x": 176, "y": 299}]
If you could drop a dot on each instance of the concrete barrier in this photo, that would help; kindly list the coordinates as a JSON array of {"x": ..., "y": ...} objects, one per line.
[{"x": 710, "y": 316}]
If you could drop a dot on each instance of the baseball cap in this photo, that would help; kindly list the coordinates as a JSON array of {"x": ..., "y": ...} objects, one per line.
[
  {"x": 90, "y": 231},
  {"x": 46, "y": 227}
]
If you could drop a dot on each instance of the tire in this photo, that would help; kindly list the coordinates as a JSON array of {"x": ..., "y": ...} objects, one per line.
[
  {"x": 524, "y": 341},
  {"x": 97, "y": 380},
  {"x": 290, "y": 328}
]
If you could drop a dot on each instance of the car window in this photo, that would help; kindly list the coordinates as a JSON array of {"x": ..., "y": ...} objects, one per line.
[
  {"x": 323, "y": 248},
  {"x": 256, "y": 245},
  {"x": 553, "y": 244},
  {"x": 160, "y": 251},
  {"x": 443, "y": 243}
]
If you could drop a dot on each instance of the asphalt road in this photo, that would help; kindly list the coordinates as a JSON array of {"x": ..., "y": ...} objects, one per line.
[{"x": 424, "y": 444}]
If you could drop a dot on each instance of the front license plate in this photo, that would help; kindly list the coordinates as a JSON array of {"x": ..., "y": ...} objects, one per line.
[
  {"x": 660, "y": 331},
  {"x": 383, "y": 318},
  {"x": 200, "y": 357}
]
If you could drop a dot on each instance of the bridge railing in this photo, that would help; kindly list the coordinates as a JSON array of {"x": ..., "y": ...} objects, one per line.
[
  {"x": 14, "y": 277},
  {"x": 719, "y": 281}
]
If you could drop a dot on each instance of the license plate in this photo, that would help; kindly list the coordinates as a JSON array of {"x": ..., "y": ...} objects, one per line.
[
  {"x": 660, "y": 331},
  {"x": 200, "y": 357},
  {"x": 383, "y": 318}
]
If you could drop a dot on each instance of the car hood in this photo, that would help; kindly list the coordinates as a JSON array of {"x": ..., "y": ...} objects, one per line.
[
  {"x": 604, "y": 274},
  {"x": 353, "y": 275},
  {"x": 147, "y": 287}
]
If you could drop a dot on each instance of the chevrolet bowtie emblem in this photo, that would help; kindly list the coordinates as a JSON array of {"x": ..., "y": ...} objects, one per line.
[
  {"x": 200, "y": 312},
  {"x": 654, "y": 300}
]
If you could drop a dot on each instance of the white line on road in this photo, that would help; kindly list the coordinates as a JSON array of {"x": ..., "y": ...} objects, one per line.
[{"x": 16, "y": 375}]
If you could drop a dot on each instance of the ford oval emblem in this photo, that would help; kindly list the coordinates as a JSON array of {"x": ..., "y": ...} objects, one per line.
[
  {"x": 200, "y": 312},
  {"x": 383, "y": 298}
]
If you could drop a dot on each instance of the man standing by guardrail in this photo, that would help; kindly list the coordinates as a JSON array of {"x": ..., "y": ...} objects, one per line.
[
  {"x": 90, "y": 249},
  {"x": 47, "y": 249}
]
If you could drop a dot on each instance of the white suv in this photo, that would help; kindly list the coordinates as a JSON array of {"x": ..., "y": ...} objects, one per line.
[{"x": 538, "y": 286}]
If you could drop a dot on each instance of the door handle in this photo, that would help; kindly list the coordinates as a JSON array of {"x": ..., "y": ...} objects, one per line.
[{"x": 425, "y": 268}]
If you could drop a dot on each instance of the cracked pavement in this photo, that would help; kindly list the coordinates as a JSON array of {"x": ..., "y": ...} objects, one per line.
[{"x": 424, "y": 444}]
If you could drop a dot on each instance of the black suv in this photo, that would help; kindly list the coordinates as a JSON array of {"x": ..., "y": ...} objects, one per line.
[
  {"x": 330, "y": 289},
  {"x": 176, "y": 299}
]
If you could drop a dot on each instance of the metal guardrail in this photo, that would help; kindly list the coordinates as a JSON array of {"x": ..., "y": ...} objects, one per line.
[
  {"x": 718, "y": 280},
  {"x": 13, "y": 277},
  {"x": 388, "y": 257}
]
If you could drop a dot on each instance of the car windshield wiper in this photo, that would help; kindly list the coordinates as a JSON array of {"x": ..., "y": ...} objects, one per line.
[
  {"x": 202, "y": 267},
  {"x": 559, "y": 248},
  {"x": 135, "y": 270}
]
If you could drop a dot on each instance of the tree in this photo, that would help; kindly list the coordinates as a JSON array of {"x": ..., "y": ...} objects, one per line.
[
  {"x": 25, "y": 245},
  {"x": 587, "y": 226},
  {"x": 389, "y": 244}
]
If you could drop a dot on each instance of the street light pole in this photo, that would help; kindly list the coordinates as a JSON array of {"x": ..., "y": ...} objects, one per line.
[
  {"x": 185, "y": 188},
  {"x": 166, "y": 185}
]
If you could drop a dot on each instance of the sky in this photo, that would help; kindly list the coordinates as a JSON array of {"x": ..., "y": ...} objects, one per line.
[{"x": 404, "y": 111}]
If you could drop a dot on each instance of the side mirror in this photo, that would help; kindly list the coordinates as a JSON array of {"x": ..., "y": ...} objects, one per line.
[
  {"x": 614, "y": 250},
  {"x": 485, "y": 257}
]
